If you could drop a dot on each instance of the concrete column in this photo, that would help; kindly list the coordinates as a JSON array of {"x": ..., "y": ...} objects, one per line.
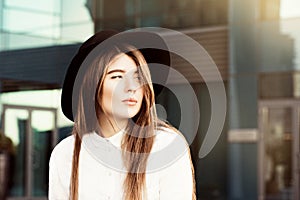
[{"x": 242, "y": 169}]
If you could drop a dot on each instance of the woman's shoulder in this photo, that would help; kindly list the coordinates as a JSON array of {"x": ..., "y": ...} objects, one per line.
[
  {"x": 60, "y": 167},
  {"x": 168, "y": 148},
  {"x": 168, "y": 133},
  {"x": 64, "y": 149},
  {"x": 166, "y": 136}
]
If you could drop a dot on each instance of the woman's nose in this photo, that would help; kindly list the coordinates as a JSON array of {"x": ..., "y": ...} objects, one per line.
[{"x": 131, "y": 85}]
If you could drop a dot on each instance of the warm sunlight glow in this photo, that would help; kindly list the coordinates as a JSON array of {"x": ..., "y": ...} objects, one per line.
[{"x": 289, "y": 8}]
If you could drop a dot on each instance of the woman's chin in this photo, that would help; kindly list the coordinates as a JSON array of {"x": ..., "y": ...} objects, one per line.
[{"x": 124, "y": 117}]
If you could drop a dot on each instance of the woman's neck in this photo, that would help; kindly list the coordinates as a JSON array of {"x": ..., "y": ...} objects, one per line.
[{"x": 109, "y": 127}]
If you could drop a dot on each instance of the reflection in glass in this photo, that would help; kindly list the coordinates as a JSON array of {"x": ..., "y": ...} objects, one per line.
[
  {"x": 16, "y": 130},
  {"x": 42, "y": 128},
  {"x": 278, "y": 154}
]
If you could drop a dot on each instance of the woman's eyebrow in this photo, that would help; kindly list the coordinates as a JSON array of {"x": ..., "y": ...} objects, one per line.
[
  {"x": 120, "y": 70},
  {"x": 116, "y": 70}
]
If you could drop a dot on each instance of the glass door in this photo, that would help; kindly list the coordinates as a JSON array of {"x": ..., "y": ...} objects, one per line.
[
  {"x": 33, "y": 134},
  {"x": 279, "y": 150}
]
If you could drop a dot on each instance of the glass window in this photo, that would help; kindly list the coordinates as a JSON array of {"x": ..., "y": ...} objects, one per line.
[
  {"x": 43, "y": 132},
  {"x": 16, "y": 131},
  {"x": 289, "y": 26},
  {"x": 41, "y": 98},
  {"x": 38, "y": 24},
  {"x": 177, "y": 13},
  {"x": 28, "y": 24},
  {"x": 42, "y": 6},
  {"x": 36, "y": 18},
  {"x": 32, "y": 131}
]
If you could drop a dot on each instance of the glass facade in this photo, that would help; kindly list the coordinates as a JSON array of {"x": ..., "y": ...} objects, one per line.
[
  {"x": 29, "y": 24},
  {"x": 173, "y": 14},
  {"x": 184, "y": 14},
  {"x": 34, "y": 123}
]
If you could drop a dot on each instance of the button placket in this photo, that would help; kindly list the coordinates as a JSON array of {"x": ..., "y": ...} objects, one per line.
[{"x": 110, "y": 182}]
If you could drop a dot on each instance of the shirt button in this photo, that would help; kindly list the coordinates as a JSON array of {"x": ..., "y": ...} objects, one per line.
[{"x": 108, "y": 197}]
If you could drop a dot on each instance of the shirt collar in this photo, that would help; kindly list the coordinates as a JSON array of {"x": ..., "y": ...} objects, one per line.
[{"x": 116, "y": 139}]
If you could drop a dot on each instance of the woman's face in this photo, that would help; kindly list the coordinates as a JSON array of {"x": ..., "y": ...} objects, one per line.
[{"x": 122, "y": 92}]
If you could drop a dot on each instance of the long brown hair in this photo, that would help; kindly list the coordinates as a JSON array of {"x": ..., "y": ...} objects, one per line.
[{"x": 140, "y": 131}]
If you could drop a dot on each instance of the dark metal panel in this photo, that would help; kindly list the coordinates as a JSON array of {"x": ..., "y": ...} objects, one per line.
[{"x": 41, "y": 65}]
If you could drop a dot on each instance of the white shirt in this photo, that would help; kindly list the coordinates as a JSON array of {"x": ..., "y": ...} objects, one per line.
[{"x": 168, "y": 175}]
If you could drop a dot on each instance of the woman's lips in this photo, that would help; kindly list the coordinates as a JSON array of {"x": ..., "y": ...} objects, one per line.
[{"x": 130, "y": 101}]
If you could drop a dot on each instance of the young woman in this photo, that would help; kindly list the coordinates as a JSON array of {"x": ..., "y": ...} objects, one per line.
[{"x": 119, "y": 149}]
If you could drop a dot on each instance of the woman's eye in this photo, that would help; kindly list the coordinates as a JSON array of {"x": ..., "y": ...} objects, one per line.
[
  {"x": 138, "y": 78},
  {"x": 116, "y": 77}
]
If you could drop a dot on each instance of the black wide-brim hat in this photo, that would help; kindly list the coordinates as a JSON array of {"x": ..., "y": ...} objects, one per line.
[{"x": 151, "y": 45}]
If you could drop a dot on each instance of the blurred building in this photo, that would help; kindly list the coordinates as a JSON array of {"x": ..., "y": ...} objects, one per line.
[{"x": 255, "y": 50}]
